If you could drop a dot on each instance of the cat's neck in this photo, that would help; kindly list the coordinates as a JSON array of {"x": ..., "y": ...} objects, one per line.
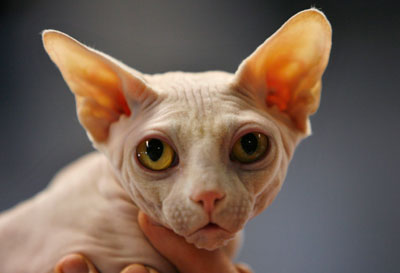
[{"x": 110, "y": 182}]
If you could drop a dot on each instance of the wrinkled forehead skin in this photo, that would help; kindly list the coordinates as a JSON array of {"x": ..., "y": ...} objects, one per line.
[{"x": 200, "y": 115}]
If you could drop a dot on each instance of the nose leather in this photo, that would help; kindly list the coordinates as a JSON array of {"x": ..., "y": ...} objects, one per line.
[{"x": 208, "y": 199}]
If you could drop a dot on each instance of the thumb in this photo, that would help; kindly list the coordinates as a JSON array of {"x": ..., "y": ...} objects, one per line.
[{"x": 186, "y": 257}]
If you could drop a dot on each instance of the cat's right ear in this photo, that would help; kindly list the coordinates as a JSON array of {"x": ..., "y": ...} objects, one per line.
[{"x": 104, "y": 88}]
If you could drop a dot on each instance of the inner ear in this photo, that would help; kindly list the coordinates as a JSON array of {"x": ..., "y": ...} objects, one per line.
[
  {"x": 287, "y": 68},
  {"x": 103, "y": 87}
]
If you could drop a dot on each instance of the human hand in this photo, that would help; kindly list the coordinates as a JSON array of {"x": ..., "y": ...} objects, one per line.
[
  {"x": 186, "y": 257},
  {"x": 77, "y": 263}
]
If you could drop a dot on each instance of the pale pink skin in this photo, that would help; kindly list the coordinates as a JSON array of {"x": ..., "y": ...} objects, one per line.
[{"x": 91, "y": 206}]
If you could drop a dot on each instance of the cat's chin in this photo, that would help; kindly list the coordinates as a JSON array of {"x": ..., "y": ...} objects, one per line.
[{"x": 210, "y": 238}]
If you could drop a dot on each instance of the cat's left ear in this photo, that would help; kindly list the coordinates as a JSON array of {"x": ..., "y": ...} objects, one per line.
[{"x": 286, "y": 69}]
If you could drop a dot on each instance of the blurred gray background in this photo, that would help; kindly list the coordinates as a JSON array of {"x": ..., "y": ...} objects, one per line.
[{"x": 339, "y": 208}]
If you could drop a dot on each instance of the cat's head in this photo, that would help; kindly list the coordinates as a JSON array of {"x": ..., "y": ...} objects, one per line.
[{"x": 201, "y": 153}]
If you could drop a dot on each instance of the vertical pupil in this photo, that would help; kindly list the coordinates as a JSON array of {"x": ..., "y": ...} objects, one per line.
[
  {"x": 249, "y": 143},
  {"x": 154, "y": 149}
]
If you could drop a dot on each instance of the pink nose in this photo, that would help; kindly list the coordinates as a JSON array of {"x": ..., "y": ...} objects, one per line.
[{"x": 208, "y": 199}]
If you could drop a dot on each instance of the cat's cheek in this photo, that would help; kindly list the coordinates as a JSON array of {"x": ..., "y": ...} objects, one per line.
[
  {"x": 272, "y": 185},
  {"x": 257, "y": 180},
  {"x": 146, "y": 191},
  {"x": 256, "y": 183},
  {"x": 235, "y": 213},
  {"x": 182, "y": 216},
  {"x": 145, "y": 203},
  {"x": 265, "y": 199}
]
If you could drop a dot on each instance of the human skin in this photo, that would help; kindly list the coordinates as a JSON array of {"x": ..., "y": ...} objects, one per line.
[{"x": 185, "y": 257}]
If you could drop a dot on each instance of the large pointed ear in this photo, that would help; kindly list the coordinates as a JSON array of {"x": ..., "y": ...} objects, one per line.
[
  {"x": 104, "y": 88},
  {"x": 286, "y": 69}
]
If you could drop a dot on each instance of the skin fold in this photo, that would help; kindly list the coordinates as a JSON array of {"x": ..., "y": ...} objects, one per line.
[{"x": 205, "y": 195}]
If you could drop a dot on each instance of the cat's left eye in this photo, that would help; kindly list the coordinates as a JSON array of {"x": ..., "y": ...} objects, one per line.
[
  {"x": 156, "y": 155},
  {"x": 250, "y": 148}
]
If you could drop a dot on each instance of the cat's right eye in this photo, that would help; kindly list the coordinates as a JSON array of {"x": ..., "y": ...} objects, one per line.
[{"x": 156, "y": 155}]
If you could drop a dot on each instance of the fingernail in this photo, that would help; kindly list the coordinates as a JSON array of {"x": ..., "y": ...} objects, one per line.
[
  {"x": 135, "y": 268},
  {"x": 75, "y": 264}
]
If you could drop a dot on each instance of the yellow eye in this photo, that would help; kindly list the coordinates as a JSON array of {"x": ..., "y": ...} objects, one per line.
[
  {"x": 250, "y": 148},
  {"x": 155, "y": 154}
]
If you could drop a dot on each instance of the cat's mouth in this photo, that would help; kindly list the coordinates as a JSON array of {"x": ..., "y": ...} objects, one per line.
[
  {"x": 210, "y": 236},
  {"x": 210, "y": 228}
]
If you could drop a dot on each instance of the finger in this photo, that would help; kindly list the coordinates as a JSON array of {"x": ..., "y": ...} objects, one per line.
[
  {"x": 74, "y": 263},
  {"x": 138, "y": 268},
  {"x": 243, "y": 268},
  {"x": 151, "y": 270},
  {"x": 186, "y": 257}
]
